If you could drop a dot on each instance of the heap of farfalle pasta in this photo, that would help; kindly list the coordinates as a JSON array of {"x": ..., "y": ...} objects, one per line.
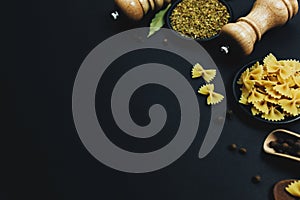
[
  {"x": 272, "y": 88},
  {"x": 208, "y": 75}
]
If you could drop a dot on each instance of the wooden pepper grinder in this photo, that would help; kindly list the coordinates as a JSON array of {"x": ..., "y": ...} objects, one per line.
[
  {"x": 265, "y": 14},
  {"x": 137, "y": 9}
]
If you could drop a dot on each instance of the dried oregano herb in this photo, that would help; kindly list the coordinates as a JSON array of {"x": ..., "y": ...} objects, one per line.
[{"x": 200, "y": 19}]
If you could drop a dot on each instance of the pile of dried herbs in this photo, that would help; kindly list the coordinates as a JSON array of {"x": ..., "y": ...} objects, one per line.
[{"x": 199, "y": 19}]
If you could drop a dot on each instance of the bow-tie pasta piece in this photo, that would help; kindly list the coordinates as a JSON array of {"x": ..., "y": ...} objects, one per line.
[
  {"x": 256, "y": 96},
  {"x": 207, "y": 74},
  {"x": 270, "y": 61},
  {"x": 294, "y": 64},
  {"x": 273, "y": 115},
  {"x": 243, "y": 100},
  {"x": 291, "y": 105},
  {"x": 274, "y": 66},
  {"x": 284, "y": 90},
  {"x": 273, "y": 93},
  {"x": 245, "y": 92},
  {"x": 290, "y": 82},
  {"x": 271, "y": 100},
  {"x": 262, "y": 106},
  {"x": 256, "y": 72},
  {"x": 246, "y": 81},
  {"x": 213, "y": 97},
  {"x": 254, "y": 111}
]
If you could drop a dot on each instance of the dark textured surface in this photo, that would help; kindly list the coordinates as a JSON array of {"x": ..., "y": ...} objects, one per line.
[{"x": 42, "y": 156}]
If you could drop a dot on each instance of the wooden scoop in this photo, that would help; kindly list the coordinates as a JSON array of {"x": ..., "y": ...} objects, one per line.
[
  {"x": 265, "y": 14},
  {"x": 279, "y": 190},
  {"x": 272, "y": 137}
]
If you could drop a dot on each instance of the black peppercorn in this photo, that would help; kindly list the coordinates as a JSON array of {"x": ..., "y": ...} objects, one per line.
[
  {"x": 256, "y": 179},
  {"x": 297, "y": 145},
  {"x": 273, "y": 144},
  {"x": 290, "y": 142},
  {"x": 232, "y": 147},
  {"x": 279, "y": 150},
  {"x": 243, "y": 150},
  {"x": 285, "y": 146},
  {"x": 280, "y": 140}
]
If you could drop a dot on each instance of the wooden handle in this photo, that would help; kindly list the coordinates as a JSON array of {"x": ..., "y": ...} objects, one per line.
[
  {"x": 265, "y": 14},
  {"x": 136, "y": 9}
]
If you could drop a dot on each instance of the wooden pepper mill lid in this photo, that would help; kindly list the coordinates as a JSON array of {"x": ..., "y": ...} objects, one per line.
[
  {"x": 131, "y": 8},
  {"x": 265, "y": 14},
  {"x": 136, "y": 9}
]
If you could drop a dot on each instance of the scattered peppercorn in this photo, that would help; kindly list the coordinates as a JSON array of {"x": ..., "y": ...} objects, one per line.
[
  {"x": 199, "y": 19},
  {"x": 243, "y": 150},
  {"x": 232, "y": 147},
  {"x": 256, "y": 179}
]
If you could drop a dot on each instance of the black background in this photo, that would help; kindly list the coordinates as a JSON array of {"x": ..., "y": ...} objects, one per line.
[{"x": 42, "y": 156}]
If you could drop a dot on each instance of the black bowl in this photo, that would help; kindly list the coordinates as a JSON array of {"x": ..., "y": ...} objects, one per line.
[
  {"x": 247, "y": 109},
  {"x": 168, "y": 23}
]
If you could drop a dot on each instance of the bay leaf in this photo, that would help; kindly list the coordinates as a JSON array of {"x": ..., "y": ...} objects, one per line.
[{"x": 158, "y": 21}]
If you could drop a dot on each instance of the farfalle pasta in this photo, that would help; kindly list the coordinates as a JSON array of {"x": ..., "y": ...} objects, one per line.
[
  {"x": 207, "y": 74},
  {"x": 212, "y": 96},
  {"x": 272, "y": 88},
  {"x": 273, "y": 114}
]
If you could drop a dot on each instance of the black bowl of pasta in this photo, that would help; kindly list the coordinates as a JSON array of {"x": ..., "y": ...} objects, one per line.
[{"x": 269, "y": 89}]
